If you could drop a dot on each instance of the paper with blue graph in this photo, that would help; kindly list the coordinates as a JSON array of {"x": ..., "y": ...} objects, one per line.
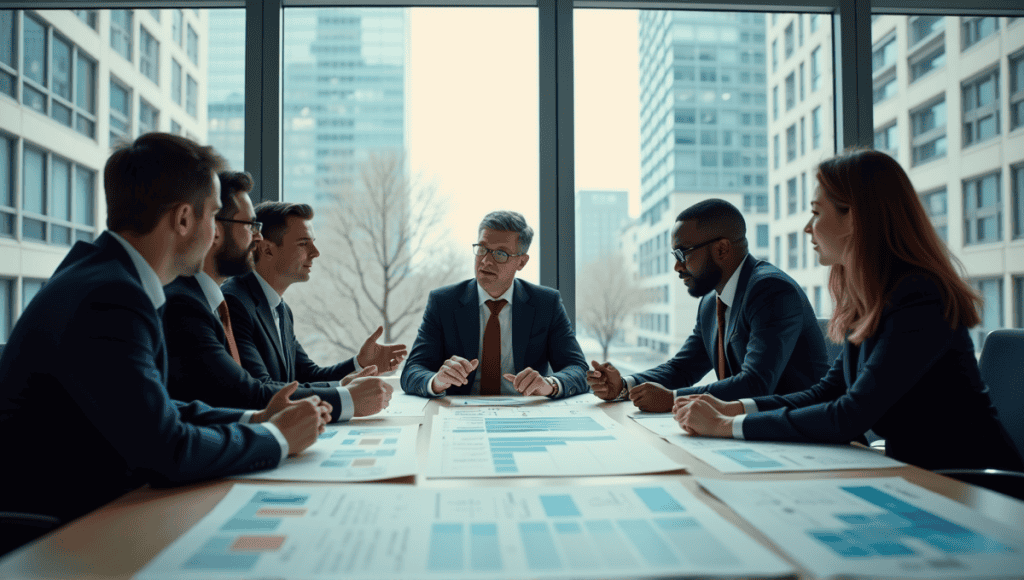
[
  {"x": 351, "y": 452},
  {"x": 878, "y": 528},
  {"x": 361, "y": 532},
  {"x": 539, "y": 441},
  {"x": 738, "y": 456}
]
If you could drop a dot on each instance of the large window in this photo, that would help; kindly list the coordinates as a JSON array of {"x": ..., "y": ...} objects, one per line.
[
  {"x": 974, "y": 30},
  {"x": 121, "y": 29},
  {"x": 1016, "y": 63},
  {"x": 887, "y": 139},
  {"x": 120, "y": 111},
  {"x": 983, "y": 210},
  {"x": 991, "y": 290},
  {"x": 935, "y": 206},
  {"x": 1017, "y": 185},
  {"x": 929, "y": 131},
  {"x": 57, "y": 198},
  {"x": 981, "y": 107},
  {"x": 929, "y": 60},
  {"x": 149, "y": 55}
]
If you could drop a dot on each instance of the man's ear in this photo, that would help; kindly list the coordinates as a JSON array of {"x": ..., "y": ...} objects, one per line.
[
  {"x": 526, "y": 258},
  {"x": 265, "y": 247},
  {"x": 183, "y": 219},
  {"x": 218, "y": 235}
]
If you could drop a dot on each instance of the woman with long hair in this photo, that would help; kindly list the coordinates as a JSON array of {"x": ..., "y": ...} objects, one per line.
[{"x": 907, "y": 368}]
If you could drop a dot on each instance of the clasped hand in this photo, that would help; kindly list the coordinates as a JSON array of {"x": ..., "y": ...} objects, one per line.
[{"x": 705, "y": 415}]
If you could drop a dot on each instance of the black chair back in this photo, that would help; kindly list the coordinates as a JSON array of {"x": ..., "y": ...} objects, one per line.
[{"x": 1002, "y": 369}]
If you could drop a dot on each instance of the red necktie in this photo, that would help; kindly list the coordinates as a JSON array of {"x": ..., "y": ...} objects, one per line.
[
  {"x": 723, "y": 371},
  {"x": 490, "y": 363},
  {"x": 225, "y": 319}
]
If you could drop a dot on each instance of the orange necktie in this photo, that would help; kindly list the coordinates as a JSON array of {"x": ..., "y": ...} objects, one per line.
[
  {"x": 723, "y": 371},
  {"x": 225, "y": 319},
  {"x": 490, "y": 359}
]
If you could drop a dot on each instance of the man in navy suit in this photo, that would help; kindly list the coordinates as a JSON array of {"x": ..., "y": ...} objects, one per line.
[
  {"x": 772, "y": 343},
  {"x": 204, "y": 359},
  {"x": 83, "y": 399},
  {"x": 264, "y": 326},
  {"x": 517, "y": 333}
]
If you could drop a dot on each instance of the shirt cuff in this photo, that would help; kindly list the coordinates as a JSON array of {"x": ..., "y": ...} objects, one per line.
[
  {"x": 247, "y": 417},
  {"x": 430, "y": 387},
  {"x": 558, "y": 387},
  {"x": 749, "y": 406},
  {"x": 737, "y": 426},
  {"x": 355, "y": 361},
  {"x": 280, "y": 439},
  {"x": 348, "y": 406}
]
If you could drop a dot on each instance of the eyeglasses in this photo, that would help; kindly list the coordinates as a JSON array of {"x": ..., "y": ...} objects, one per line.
[
  {"x": 253, "y": 225},
  {"x": 500, "y": 256},
  {"x": 682, "y": 253}
]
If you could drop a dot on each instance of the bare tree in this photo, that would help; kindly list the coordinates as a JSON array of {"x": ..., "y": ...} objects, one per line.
[
  {"x": 608, "y": 295},
  {"x": 383, "y": 251}
]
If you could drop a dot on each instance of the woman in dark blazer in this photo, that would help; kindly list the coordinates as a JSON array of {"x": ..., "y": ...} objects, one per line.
[{"x": 907, "y": 370}]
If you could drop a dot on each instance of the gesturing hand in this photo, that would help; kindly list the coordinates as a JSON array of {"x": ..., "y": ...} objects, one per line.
[
  {"x": 370, "y": 395},
  {"x": 386, "y": 357},
  {"x": 300, "y": 423},
  {"x": 729, "y": 409},
  {"x": 529, "y": 382},
  {"x": 454, "y": 371},
  {"x": 605, "y": 380},
  {"x": 651, "y": 397},
  {"x": 366, "y": 372}
]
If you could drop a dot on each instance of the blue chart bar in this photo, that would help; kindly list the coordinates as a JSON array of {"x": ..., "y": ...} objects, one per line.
[
  {"x": 648, "y": 542},
  {"x": 528, "y": 424},
  {"x": 696, "y": 543},
  {"x": 327, "y": 434},
  {"x": 604, "y": 534},
  {"x": 376, "y": 431},
  {"x": 658, "y": 500},
  {"x": 485, "y": 554},
  {"x": 445, "y": 547},
  {"x": 749, "y": 458},
  {"x": 348, "y": 442},
  {"x": 502, "y": 448},
  {"x": 559, "y": 505},
  {"x": 539, "y": 546},
  {"x": 279, "y": 498},
  {"x": 216, "y": 555},
  {"x": 880, "y": 535}
]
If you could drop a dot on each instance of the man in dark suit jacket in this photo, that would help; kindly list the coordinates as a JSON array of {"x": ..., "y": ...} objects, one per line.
[
  {"x": 83, "y": 402},
  {"x": 535, "y": 334},
  {"x": 264, "y": 326},
  {"x": 204, "y": 361},
  {"x": 772, "y": 343}
]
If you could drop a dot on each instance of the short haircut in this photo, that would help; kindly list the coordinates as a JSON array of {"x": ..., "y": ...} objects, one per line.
[
  {"x": 716, "y": 217},
  {"x": 231, "y": 184},
  {"x": 274, "y": 216},
  {"x": 146, "y": 178},
  {"x": 509, "y": 221}
]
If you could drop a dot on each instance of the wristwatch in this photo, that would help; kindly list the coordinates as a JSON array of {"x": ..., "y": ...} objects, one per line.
[{"x": 554, "y": 385}]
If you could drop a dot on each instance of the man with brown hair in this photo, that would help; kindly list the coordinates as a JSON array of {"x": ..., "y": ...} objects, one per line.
[
  {"x": 83, "y": 377},
  {"x": 264, "y": 326}
]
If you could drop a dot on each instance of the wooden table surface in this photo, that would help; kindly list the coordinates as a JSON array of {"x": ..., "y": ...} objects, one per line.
[{"x": 118, "y": 539}]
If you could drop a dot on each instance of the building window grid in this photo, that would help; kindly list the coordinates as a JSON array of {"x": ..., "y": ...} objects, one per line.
[
  {"x": 983, "y": 209},
  {"x": 193, "y": 45},
  {"x": 923, "y": 27},
  {"x": 1016, "y": 66},
  {"x": 815, "y": 69},
  {"x": 935, "y": 205},
  {"x": 928, "y": 131},
  {"x": 58, "y": 201},
  {"x": 149, "y": 55},
  {"x": 980, "y": 98},
  {"x": 928, "y": 59},
  {"x": 974, "y": 30},
  {"x": 1017, "y": 195},
  {"x": 121, "y": 22}
]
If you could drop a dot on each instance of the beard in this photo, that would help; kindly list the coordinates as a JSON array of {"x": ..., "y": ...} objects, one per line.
[
  {"x": 233, "y": 260},
  {"x": 706, "y": 281}
]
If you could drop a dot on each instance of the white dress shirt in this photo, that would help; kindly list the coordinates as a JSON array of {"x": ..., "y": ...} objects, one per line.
[
  {"x": 155, "y": 291},
  {"x": 348, "y": 409}
]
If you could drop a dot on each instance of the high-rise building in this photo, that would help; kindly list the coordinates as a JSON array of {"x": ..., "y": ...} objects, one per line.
[
  {"x": 344, "y": 96},
  {"x": 226, "y": 92},
  {"x": 600, "y": 215},
  {"x": 703, "y": 123},
  {"x": 72, "y": 84}
]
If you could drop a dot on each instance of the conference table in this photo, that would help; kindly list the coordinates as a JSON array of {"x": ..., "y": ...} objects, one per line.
[{"x": 118, "y": 539}]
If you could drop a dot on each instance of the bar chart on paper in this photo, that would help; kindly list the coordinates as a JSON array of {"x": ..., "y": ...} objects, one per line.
[
  {"x": 350, "y": 453},
  {"x": 503, "y": 442},
  {"x": 881, "y": 527},
  {"x": 387, "y": 531}
]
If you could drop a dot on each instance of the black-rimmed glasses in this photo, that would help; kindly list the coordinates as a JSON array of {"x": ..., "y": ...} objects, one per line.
[
  {"x": 255, "y": 226},
  {"x": 500, "y": 256},
  {"x": 682, "y": 253}
]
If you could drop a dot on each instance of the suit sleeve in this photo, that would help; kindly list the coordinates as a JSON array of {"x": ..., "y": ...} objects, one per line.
[
  {"x": 911, "y": 337},
  {"x": 202, "y": 368},
  {"x": 427, "y": 354},
  {"x": 688, "y": 366},
  {"x": 307, "y": 371},
  {"x": 565, "y": 355},
  {"x": 131, "y": 408},
  {"x": 774, "y": 309}
]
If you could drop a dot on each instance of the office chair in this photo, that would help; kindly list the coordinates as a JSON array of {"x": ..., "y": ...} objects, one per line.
[
  {"x": 18, "y": 529},
  {"x": 1002, "y": 370}
]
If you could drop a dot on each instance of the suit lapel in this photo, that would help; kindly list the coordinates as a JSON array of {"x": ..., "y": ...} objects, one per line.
[
  {"x": 736, "y": 307},
  {"x": 467, "y": 322},
  {"x": 286, "y": 333},
  {"x": 266, "y": 317},
  {"x": 522, "y": 324}
]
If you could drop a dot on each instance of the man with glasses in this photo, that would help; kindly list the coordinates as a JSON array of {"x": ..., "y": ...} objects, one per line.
[
  {"x": 496, "y": 335},
  {"x": 264, "y": 327},
  {"x": 204, "y": 362},
  {"x": 771, "y": 343}
]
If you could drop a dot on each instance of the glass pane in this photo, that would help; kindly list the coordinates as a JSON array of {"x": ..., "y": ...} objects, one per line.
[
  {"x": 29, "y": 289},
  {"x": 85, "y": 84},
  {"x": 6, "y": 172},
  {"x": 6, "y": 224},
  {"x": 6, "y": 307},
  {"x": 35, "y": 50},
  {"x": 7, "y": 49},
  {"x": 60, "y": 235},
  {"x": 383, "y": 121},
  {"x": 61, "y": 68},
  {"x": 33, "y": 193},
  {"x": 60, "y": 189},
  {"x": 84, "y": 196},
  {"x": 226, "y": 85},
  {"x": 33, "y": 229},
  {"x": 636, "y": 112},
  {"x": 62, "y": 114}
]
